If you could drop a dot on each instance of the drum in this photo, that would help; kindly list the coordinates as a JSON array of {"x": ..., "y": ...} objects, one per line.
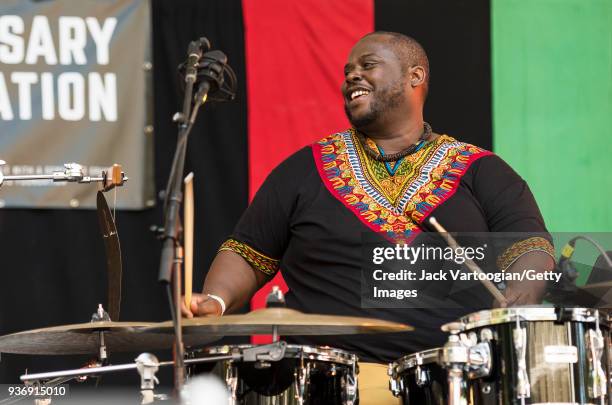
[
  {"x": 314, "y": 375},
  {"x": 420, "y": 378},
  {"x": 539, "y": 355},
  {"x": 513, "y": 356}
]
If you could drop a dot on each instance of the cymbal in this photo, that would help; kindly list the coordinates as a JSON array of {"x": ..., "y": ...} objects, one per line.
[
  {"x": 288, "y": 321},
  {"x": 84, "y": 338}
]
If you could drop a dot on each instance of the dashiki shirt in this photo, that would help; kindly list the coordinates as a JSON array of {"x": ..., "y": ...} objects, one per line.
[{"x": 310, "y": 216}]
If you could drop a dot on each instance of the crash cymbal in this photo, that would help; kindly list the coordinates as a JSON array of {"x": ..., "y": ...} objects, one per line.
[
  {"x": 84, "y": 338},
  {"x": 288, "y": 321}
]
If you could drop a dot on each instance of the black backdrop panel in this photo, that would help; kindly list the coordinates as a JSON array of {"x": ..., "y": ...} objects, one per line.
[
  {"x": 456, "y": 37},
  {"x": 53, "y": 265}
]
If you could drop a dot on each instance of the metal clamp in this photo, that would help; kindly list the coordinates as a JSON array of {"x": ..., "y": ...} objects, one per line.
[
  {"x": 480, "y": 361},
  {"x": 73, "y": 173},
  {"x": 271, "y": 352},
  {"x": 147, "y": 365}
]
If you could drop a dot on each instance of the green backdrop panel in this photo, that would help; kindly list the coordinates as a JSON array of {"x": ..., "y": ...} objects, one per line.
[{"x": 552, "y": 105}]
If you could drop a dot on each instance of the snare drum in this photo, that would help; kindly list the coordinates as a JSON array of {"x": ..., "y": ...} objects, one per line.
[{"x": 312, "y": 375}]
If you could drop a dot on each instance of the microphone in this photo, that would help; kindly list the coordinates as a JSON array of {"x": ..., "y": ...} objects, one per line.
[
  {"x": 559, "y": 293},
  {"x": 212, "y": 70},
  {"x": 195, "y": 49},
  {"x": 211, "y": 74},
  {"x": 568, "y": 250},
  {"x": 567, "y": 289}
]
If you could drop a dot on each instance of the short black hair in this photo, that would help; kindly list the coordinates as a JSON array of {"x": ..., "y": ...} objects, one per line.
[{"x": 409, "y": 51}]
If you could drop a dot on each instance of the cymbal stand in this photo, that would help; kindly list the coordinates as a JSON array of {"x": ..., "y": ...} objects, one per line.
[
  {"x": 101, "y": 316},
  {"x": 147, "y": 366},
  {"x": 271, "y": 352},
  {"x": 276, "y": 299}
]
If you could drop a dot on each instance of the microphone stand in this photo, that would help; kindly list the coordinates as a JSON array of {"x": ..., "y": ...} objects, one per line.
[
  {"x": 171, "y": 256},
  {"x": 211, "y": 71}
]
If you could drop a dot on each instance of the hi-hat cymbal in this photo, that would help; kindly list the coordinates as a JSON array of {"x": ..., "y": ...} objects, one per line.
[
  {"x": 84, "y": 338},
  {"x": 288, "y": 322}
]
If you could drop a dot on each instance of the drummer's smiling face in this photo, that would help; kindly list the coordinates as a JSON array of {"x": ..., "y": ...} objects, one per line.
[{"x": 374, "y": 86}]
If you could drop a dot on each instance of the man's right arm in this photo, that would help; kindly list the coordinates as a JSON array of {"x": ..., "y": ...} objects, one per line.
[
  {"x": 251, "y": 255},
  {"x": 232, "y": 279}
]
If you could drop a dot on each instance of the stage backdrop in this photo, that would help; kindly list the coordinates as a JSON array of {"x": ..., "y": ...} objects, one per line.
[
  {"x": 75, "y": 87},
  {"x": 52, "y": 260},
  {"x": 552, "y": 105}
]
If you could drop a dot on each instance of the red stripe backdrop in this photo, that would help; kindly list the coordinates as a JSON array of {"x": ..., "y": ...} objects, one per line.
[{"x": 295, "y": 53}]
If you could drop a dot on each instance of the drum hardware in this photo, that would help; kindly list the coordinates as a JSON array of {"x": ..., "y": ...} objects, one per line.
[
  {"x": 595, "y": 348},
  {"x": 94, "y": 371},
  {"x": 455, "y": 358},
  {"x": 519, "y": 338},
  {"x": 147, "y": 365},
  {"x": 301, "y": 375},
  {"x": 271, "y": 352},
  {"x": 396, "y": 386},
  {"x": 276, "y": 299},
  {"x": 351, "y": 386},
  {"x": 231, "y": 379},
  {"x": 422, "y": 377},
  {"x": 73, "y": 173},
  {"x": 480, "y": 361},
  {"x": 486, "y": 335},
  {"x": 101, "y": 316}
]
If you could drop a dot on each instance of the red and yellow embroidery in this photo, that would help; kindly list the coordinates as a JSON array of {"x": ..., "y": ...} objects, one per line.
[
  {"x": 393, "y": 205},
  {"x": 258, "y": 261},
  {"x": 519, "y": 248}
]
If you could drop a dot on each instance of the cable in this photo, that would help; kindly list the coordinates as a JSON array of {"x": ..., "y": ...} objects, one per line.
[{"x": 598, "y": 246}]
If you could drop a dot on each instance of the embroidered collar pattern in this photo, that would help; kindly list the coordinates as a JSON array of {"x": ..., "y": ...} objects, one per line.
[{"x": 393, "y": 204}]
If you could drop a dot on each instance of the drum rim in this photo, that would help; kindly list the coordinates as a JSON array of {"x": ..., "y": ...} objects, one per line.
[
  {"x": 410, "y": 360},
  {"x": 498, "y": 316},
  {"x": 321, "y": 353}
]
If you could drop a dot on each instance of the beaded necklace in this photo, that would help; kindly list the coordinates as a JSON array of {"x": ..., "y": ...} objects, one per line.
[{"x": 379, "y": 157}]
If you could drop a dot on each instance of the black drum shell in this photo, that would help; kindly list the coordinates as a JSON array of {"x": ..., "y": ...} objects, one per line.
[
  {"x": 274, "y": 382},
  {"x": 551, "y": 382}
]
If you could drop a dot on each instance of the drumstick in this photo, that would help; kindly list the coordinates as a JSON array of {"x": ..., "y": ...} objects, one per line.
[
  {"x": 188, "y": 238},
  {"x": 468, "y": 262}
]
